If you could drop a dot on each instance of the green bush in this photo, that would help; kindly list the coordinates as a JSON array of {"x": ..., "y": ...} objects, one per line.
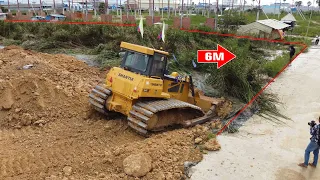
[{"x": 272, "y": 68}]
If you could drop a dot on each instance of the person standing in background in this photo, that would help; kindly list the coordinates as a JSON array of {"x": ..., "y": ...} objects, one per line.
[{"x": 292, "y": 52}]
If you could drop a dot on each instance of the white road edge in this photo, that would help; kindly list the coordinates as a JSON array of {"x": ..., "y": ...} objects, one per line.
[{"x": 264, "y": 150}]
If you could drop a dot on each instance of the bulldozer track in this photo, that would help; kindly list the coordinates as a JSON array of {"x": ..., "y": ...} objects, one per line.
[
  {"x": 15, "y": 133},
  {"x": 98, "y": 97},
  {"x": 142, "y": 111},
  {"x": 31, "y": 158},
  {"x": 41, "y": 161}
]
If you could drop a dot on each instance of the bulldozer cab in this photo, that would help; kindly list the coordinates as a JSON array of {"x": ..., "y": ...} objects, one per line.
[{"x": 144, "y": 60}]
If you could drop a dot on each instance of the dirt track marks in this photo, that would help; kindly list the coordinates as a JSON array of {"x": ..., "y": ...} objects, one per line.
[{"x": 34, "y": 152}]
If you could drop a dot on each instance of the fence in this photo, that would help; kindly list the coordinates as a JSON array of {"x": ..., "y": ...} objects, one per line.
[{"x": 130, "y": 20}]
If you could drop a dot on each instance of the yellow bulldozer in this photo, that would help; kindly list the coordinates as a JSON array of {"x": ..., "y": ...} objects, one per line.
[{"x": 151, "y": 98}]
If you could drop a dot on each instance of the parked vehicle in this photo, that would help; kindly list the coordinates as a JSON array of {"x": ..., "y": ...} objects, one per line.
[
  {"x": 55, "y": 17},
  {"x": 38, "y": 18}
]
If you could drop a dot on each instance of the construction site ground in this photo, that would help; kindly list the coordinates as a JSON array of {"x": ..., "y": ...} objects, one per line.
[
  {"x": 48, "y": 130},
  {"x": 266, "y": 150}
]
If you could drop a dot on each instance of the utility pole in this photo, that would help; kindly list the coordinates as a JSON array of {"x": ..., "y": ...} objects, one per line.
[
  {"x": 54, "y": 6},
  {"x": 28, "y": 5},
  {"x": 18, "y": 5},
  {"x": 309, "y": 20},
  {"x": 175, "y": 7},
  {"x": 106, "y": 7},
  {"x": 216, "y": 19},
  {"x": 63, "y": 7},
  {"x": 258, "y": 11},
  {"x": 162, "y": 8},
  {"x": 279, "y": 10},
  {"x": 209, "y": 10},
  {"x": 127, "y": 9},
  {"x": 168, "y": 9},
  {"x": 94, "y": 7},
  {"x": 181, "y": 15},
  {"x": 232, "y": 5},
  {"x": 140, "y": 7},
  {"x": 187, "y": 9},
  {"x": 41, "y": 7},
  {"x": 8, "y": 6},
  {"x": 86, "y": 10},
  {"x": 152, "y": 11}
]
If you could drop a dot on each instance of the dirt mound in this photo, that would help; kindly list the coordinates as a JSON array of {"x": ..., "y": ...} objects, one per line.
[
  {"x": 49, "y": 131},
  {"x": 56, "y": 86}
]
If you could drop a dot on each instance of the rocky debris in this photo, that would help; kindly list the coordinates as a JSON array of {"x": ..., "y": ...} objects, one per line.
[
  {"x": 40, "y": 122},
  {"x": 67, "y": 170},
  {"x": 137, "y": 165},
  {"x": 26, "y": 119},
  {"x": 212, "y": 145},
  {"x": 198, "y": 140},
  {"x": 216, "y": 124}
]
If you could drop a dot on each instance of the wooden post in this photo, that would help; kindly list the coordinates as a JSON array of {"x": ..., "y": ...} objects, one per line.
[
  {"x": 18, "y": 5},
  {"x": 28, "y": 5}
]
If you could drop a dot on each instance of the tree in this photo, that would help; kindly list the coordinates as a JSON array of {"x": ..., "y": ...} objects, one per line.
[
  {"x": 298, "y": 3},
  {"x": 102, "y": 8},
  {"x": 309, "y": 4},
  {"x": 3, "y": 9}
]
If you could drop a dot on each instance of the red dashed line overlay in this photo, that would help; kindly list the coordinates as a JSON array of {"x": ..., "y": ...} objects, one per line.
[{"x": 304, "y": 46}]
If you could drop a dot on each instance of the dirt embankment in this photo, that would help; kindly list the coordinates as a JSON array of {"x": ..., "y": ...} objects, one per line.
[
  {"x": 50, "y": 90},
  {"x": 48, "y": 130}
]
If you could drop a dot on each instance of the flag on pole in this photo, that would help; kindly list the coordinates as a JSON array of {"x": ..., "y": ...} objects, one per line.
[
  {"x": 140, "y": 27},
  {"x": 162, "y": 34},
  {"x": 194, "y": 64},
  {"x": 174, "y": 57}
]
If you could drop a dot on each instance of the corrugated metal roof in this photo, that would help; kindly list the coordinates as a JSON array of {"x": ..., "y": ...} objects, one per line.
[
  {"x": 275, "y": 24},
  {"x": 254, "y": 27},
  {"x": 288, "y": 17}
]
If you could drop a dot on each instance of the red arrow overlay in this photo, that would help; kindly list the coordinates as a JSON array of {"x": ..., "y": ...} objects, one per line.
[{"x": 221, "y": 56}]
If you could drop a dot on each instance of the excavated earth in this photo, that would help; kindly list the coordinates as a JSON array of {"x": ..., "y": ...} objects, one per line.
[{"x": 48, "y": 130}]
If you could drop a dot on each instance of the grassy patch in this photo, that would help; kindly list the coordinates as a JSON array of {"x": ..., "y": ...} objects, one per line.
[{"x": 272, "y": 68}]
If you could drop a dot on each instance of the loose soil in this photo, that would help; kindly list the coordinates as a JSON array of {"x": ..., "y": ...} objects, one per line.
[{"x": 48, "y": 130}]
